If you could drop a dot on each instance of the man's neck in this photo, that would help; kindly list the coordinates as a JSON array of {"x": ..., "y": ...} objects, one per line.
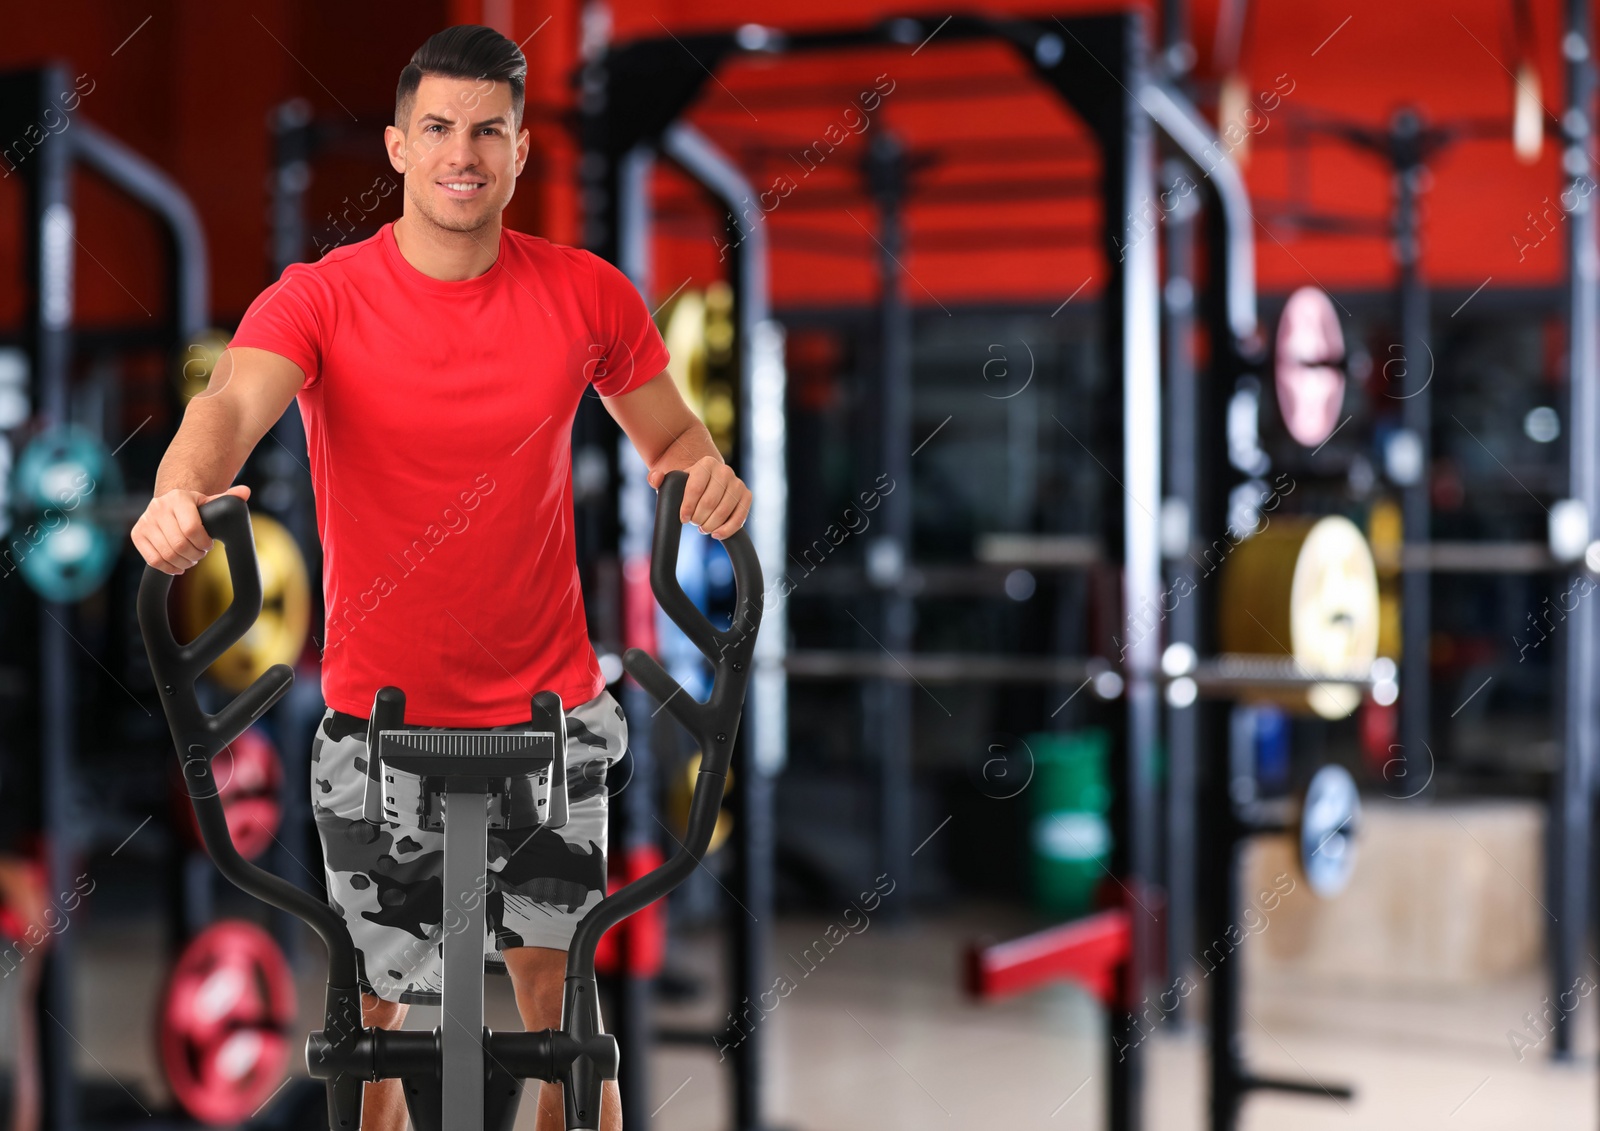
[{"x": 446, "y": 255}]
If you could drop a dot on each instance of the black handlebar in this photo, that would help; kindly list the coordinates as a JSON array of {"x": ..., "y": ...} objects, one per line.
[
  {"x": 200, "y": 737},
  {"x": 715, "y": 723},
  {"x": 226, "y": 519},
  {"x": 347, "y": 1052}
]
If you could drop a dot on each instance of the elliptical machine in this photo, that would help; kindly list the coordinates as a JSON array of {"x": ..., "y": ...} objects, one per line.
[{"x": 461, "y": 1076}]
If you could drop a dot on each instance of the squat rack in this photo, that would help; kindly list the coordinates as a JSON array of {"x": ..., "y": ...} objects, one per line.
[
  {"x": 1406, "y": 147},
  {"x": 50, "y": 224},
  {"x": 631, "y": 97},
  {"x": 49, "y": 333}
]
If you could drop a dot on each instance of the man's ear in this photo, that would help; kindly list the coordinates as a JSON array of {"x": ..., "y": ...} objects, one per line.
[{"x": 394, "y": 144}]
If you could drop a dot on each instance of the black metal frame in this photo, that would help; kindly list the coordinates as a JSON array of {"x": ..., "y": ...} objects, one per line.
[
  {"x": 1225, "y": 825},
  {"x": 1406, "y": 147},
  {"x": 344, "y": 1054},
  {"x": 759, "y": 343},
  {"x": 27, "y": 102},
  {"x": 1573, "y": 806},
  {"x": 1201, "y": 731},
  {"x": 630, "y": 96}
]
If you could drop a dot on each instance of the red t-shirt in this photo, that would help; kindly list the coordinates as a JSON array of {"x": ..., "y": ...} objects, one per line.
[{"x": 438, "y": 421}]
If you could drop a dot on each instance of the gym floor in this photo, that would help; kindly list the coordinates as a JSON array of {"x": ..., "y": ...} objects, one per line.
[{"x": 878, "y": 1037}]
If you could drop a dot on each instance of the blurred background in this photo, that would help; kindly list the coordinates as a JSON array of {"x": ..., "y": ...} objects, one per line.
[{"x": 1174, "y": 432}]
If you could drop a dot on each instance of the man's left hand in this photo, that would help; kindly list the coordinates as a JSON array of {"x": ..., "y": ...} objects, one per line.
[{"x": 715, "y": 499}]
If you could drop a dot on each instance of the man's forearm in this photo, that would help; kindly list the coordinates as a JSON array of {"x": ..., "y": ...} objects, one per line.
[
  {"x": 204, "y": 456},
  {"x": 692, "y": 446},
  {"x": 714, "y": 499}
]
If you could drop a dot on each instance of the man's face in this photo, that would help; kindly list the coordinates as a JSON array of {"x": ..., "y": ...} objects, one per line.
[{"x": 458, "y": 153}]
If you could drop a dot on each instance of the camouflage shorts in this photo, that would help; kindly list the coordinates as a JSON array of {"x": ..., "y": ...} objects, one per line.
[{"x": 387, "y": 880}]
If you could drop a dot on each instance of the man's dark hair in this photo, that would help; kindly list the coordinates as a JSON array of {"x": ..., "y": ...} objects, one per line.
[{"x": 466, "y": 51}]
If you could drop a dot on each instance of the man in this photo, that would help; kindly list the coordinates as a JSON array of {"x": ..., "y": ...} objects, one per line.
[{"x": 438, "y": 366}]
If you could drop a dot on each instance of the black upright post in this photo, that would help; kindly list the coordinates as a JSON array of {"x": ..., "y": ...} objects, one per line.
[
  {"x": 602, "y": 530},
  {"x": 1217, "y": 829},
  {"x": 292, "y": 146},
  {"x": 1407, "y": 152},
  {"x": 1182, "y": 459},
  {"x": 1098, "y": 73},
  {"x": 1135, "y": 321},
  {"x": 751, "y": 934},
  {"x": 1219, "y": 854},
  {"x": 888, "y": 557},
  {"x": 51, "y": 234},
  {"x": 1177, "y": 54},
  {"x": 1183, "y": 626},
  {"x": 1581, "y": 702},
  {"x": 595, "y": 519},
  {"x": 630, "y": 1018},
  {"x": 755, "y": 833}
]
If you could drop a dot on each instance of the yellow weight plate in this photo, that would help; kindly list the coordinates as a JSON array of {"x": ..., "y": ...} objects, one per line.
[
  {"x": 279, "y": 634},
  {"x": 683, "y": 330},
  {"x": 719, "y": 324},
  {"x": 680, "y": 794},
  {"x": 1385, "y": 529},
  {"x": 1305, "y": 588},
  {"x": 198, "y": 361}
]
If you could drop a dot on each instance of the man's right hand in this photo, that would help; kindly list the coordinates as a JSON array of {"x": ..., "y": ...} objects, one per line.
[{"x": 170, "y": 535}]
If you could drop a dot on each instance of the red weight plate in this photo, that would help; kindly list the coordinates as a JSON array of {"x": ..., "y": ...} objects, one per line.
[
  {"x": 249, "y": 775},
  {"x": 1379, "y": 728},
  {"x": 13, "y": 928},
  {"x": 223, "y": 1028},
  {"x": 646, "y": 930}
]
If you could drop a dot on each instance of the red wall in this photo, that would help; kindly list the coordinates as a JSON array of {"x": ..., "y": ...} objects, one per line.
[
  {"x": 192, "y": 87},
  {"x": 1449, "y": 60}
]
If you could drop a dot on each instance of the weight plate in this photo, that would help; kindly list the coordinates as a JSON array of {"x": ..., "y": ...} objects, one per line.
[
  {"x": 1310, "y": 366},
  {"x": 249, "y": 777},
  {"x": 1330, "y": 819},
  {"x": 1306, "y": 588},
  {"x": 680, "y": 796},
  {"x": 68, "y": 563},
  {"x": 223, "y": 1027},
  {"x": 63, "y": 482},
  {"x": 279, "y": 634},
  {"x": 61, "y": 469},
  {"x": 198, "y": 361}
]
